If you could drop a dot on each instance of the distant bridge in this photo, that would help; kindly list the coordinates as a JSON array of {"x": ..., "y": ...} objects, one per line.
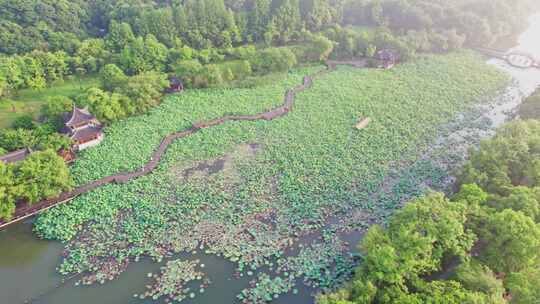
[{"x": 518, "y": 59}]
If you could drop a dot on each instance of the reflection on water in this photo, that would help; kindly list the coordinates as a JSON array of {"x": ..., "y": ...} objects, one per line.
[
  {"x": 27, "y": 265},
  {"x": 527, "y": 80},
  {"x": 529, "y": 41},
  {"x": 20, "y": 248}
]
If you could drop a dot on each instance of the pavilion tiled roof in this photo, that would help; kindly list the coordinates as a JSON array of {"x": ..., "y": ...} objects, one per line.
[
  {"x": 78, "y": 116},
  {"x": 85, "y": 133}
]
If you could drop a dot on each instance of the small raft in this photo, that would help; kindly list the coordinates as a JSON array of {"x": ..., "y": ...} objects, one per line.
[{"x": 362, "y": 123}]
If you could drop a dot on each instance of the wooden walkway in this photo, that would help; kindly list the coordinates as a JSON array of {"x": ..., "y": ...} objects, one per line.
[{"x": 288, "y": 103}]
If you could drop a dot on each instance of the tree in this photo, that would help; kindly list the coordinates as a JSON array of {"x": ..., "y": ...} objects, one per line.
[
  {"x": 54, "y": 65},
  {"x": 273, "y": 60},
  {"x": 106, "y": 106},
  {"x": 33, "y": 74},
  {"x": 479, "y": 278},
  {"x": 15, "y": 39},
  {"x": 12, "y": 140},
  {"x": 63, "y": 41},
  {"x": 523, "y": 286},
  {"x": 286, "y": 20},
  {"x": 93, "y": 54},
  {"x": 143, "y": 55},
  {"x": 208, "y": 23},
  {"x": 111, "y": 77},
  {"x": 159, "y": 23},
  {"x": 530, "y": 108},
  {"x": 210, "y": 75},
  {"x": 439, "y": 223},
  {"x": 258, "y": 19},
  {"x": 417, "y": 240},
  {"x": 54, "y": 108},
  {"x": 519, "y": 199},
  {"x": 24, "y": 122},
  {"x": 447, "y": 292},
  {"x": 8, "y": 192},
  {"x": 187, "y": 70},
  {"x": 143, "y": 91},
  {"x": 321, "y": 48},
  {"x": 509, "y": 159},
  {"x": 512, "y": 242},
  {"x": 120, "y": 35},
  {"x": 42, "y": 175},
  {"x": 54, "y": 142},
  {"x": 476, "y": 29},
  {"x": 318, "y": 14}
]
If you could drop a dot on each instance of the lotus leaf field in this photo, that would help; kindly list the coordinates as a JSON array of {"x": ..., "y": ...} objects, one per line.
[{"x": 276, "y": 195}]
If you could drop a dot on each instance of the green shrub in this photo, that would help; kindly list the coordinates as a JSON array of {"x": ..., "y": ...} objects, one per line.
[
  {"x": 24, "y": 122},
  {"x": 273, "y": 60}
]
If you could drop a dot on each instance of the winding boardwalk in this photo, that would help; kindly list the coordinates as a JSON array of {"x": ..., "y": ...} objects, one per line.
[{"x": 121, "y": 178}]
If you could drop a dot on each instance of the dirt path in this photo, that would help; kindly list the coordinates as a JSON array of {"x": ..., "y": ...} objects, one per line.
[{"x": 120, "y": 178}]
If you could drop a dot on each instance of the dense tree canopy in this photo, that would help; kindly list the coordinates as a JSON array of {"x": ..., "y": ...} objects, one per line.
[
  {"x": 482, "y": 246},
  {"x": 55, "y": 25},
  {"x": 512, "y": 158},
  {"x": 42, "y": 175}
]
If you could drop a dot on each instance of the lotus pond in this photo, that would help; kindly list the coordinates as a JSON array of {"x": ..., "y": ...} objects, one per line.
[{"x": 280, "y": 200}]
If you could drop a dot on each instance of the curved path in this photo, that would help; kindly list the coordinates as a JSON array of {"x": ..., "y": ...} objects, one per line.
[{"x": 120, "y": 178}]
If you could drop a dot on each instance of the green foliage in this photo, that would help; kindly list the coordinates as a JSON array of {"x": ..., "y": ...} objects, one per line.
[
  {"x": 143, "y": 55},
  {"x": 42, "y": 175},
  {"x": 523, "y": 286},
  {"x": 41, "y": 138},
  {"x": 510, "y": 159},
  {"x": 512, "y": 242},
  {"x": 54, "y": 142},
  {"x": 187, "y": 70},
  {"x": 24, "y": 122},
  {"x": 8, "y": 191},
  {"x": 479, "y": 278},
  {"x": 500, "y": 214},
  {"x": 520, "y": 198},
  {"x": 92, "y": 55},
  {"x": 273, "y": 60},
  {"x": 119, "y": 36},
  {"x": 17, "y": 139},
  {"x": 112, "y": 77},
  {"x": 106, "y": 106},
  {"x": 266, "y": 289},
  {"x": 306, "y": 168},
  {"x": 313, "y": 48},
  {"x": 417, "y": 240},
  {"x": 171, "y": 282},
  {"x": 530, "y": 107},
  {"x": 143, "y": 90},
  {"x": 54, "y": 109}
]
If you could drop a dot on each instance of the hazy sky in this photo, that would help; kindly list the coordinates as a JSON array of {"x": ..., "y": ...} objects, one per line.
[{"x": 530, "y": 40}]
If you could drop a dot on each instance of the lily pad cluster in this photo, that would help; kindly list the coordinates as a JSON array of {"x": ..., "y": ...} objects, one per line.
[
  {"x": 312, "y": 172},
  {"x": 322, "y": 264},
  {"x": 265, "y": 289},
  {"x": 171, "y": 282}
]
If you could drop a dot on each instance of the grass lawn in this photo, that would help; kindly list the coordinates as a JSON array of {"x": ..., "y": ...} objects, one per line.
[{"x": 29, "y": 101}]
